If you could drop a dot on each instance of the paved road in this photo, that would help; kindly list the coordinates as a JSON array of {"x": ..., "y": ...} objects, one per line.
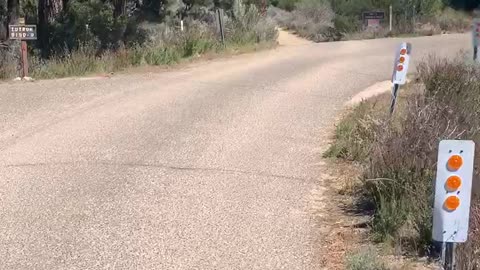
[{"x": 210, "y": 166}]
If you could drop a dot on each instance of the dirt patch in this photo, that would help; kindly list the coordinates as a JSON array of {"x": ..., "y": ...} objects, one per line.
[
  {"x": 347, "y": 230},
  {"x": 286, "y": 38}
]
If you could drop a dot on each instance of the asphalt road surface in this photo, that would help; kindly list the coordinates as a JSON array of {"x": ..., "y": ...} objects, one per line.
[{"x": 214, "y": 165}]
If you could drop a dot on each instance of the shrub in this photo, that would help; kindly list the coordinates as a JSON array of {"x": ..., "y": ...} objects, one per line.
[
  {"x": 353, "y": 135},
  {"x": 248, "y": 26},
  {"x": 288, "y": 5},
  {"x": 364, "y": 260},
  {"x": 404, "y": 156},
  {"x": 9, "y": 61},
  {"x": 162, "y": 45},
  {"x": 470, "y": 251},
  {"x": 312, "y": 19},
  {"x": 452, "y": 20},
  {"x": 402, "y": 151}
]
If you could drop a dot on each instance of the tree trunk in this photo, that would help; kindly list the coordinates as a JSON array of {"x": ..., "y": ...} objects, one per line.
[
  {"x": 120, "y": 8},
  {"x": 48, "y": 10},
  {"x": 13, "y": 8},
  {"x": 3, "y": 20}
]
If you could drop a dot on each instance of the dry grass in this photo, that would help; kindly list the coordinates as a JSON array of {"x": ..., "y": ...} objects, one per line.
[
  {"x": 470, "y": 252},
  {"x": 316, "y": 21},
  {"x": 247, "y": 31},
  {"x": 8, "y": 62},
  {"x": 399, "y": 154},
  {"x": 311, "y": 19}
]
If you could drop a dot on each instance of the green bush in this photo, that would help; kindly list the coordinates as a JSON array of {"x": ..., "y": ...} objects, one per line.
[
  {"x": 161, "y": 45},
  {"x": 452, "y": 20},
  {"x": 346, "y": 24},
  {"x": 288, "y": 5},
  {"x": 9, "y": 60},
  {"x": 312, "y": 19}
]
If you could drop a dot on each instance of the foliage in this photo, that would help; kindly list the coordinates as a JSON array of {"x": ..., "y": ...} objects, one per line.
[
  {"x": 8, "y": 62},
  {"x": 86, "y": 21},
  {"x": 312, "y": 19},
  {"x": 288, "y": 5},
  {"x": 452, "y": 20},
  {"x": 165, "y": 46},
  {"x": 402, "y": 150},
  {"x": 353, "y": 135},
  {"x": 424, "y": 17},
  {"x": 364, "y": 260}
]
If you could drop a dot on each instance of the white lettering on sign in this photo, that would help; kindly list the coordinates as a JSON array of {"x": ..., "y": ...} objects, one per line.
[{"x": 453, "y": 189}]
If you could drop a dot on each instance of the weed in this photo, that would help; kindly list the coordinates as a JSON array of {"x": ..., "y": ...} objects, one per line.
[
  {"x": 399, "y": 154},
  {"x": 164, "y": 46},
  {"x": 365, "y": 260}
]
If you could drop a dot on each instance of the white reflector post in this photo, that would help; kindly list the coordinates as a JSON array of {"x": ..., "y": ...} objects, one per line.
[
  {"x": 453, "y": 189},
  {"x": 402, "y": 62}
]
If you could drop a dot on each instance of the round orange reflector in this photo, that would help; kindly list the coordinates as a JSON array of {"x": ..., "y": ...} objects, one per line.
[
  {"x": 401, "y": 60},
  {"x": 453, "y": 183},
  {"x": 399, "y": 68},
  {"x": 452, "y": 203},
  {"x": 403, "y": 51},
  {"x": 455, "y": 162}
]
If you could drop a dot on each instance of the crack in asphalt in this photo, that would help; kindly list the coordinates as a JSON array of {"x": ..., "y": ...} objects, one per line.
[{"x": 162, "y": 166}]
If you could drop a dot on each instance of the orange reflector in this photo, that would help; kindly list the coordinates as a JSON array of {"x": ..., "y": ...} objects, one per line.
[
  {"x": 399, "y": 68},
  {"x": 452, "y": 203},
  {"x": 455, "y": 162},
  {"x": 453, "y": 183},
  {"x": 401, "y": 60},
  {"x": 403, "y": 51}
]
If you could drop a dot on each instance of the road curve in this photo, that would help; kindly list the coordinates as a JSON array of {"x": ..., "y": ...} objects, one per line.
[{"x": 214, "y": 165}]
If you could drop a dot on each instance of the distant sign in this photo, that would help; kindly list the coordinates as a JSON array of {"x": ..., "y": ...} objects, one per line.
[
  {"x": 373, "y": 23},
  {"x": 374, "y": 15},
  {"x": 23, "y": 32}
]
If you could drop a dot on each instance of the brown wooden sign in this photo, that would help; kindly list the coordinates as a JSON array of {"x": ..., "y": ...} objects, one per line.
[{"x": 23, "y": 32}]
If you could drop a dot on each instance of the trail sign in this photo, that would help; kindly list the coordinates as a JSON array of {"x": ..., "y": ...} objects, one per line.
[
  {"x": 374, "y": 15},
  {"x": 23, "y": 32},
  {"x": 373, "y": 23},
  {"x": 453, "y": 189}
]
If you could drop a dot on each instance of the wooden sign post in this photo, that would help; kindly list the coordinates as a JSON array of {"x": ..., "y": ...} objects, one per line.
[{"x": 23, "y": 32}]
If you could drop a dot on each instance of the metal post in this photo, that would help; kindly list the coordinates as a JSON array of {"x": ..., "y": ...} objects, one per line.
[
  {"x": 475, "y": 53},
  {"x": 220, "y": 24},
  {"x": 181, "y": 25},
  {"x": 413, "y": 18},
  {"x": 394, "y": 98},
  {"x": 391, "y": 18},
  {"x": 449, "y": 256},
  {"x": 24, "y": 52}
]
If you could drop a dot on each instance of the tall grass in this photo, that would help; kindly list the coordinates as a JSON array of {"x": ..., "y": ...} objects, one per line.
[
  {"x": 364, "y": 260},
  {"x": 9, "y": 59},
  {"x": 317, "y": 21},
  {"x": 399, "y": 154},
  {"x": 165, "y": 46},
  {"x": 311, "y": 19}
]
